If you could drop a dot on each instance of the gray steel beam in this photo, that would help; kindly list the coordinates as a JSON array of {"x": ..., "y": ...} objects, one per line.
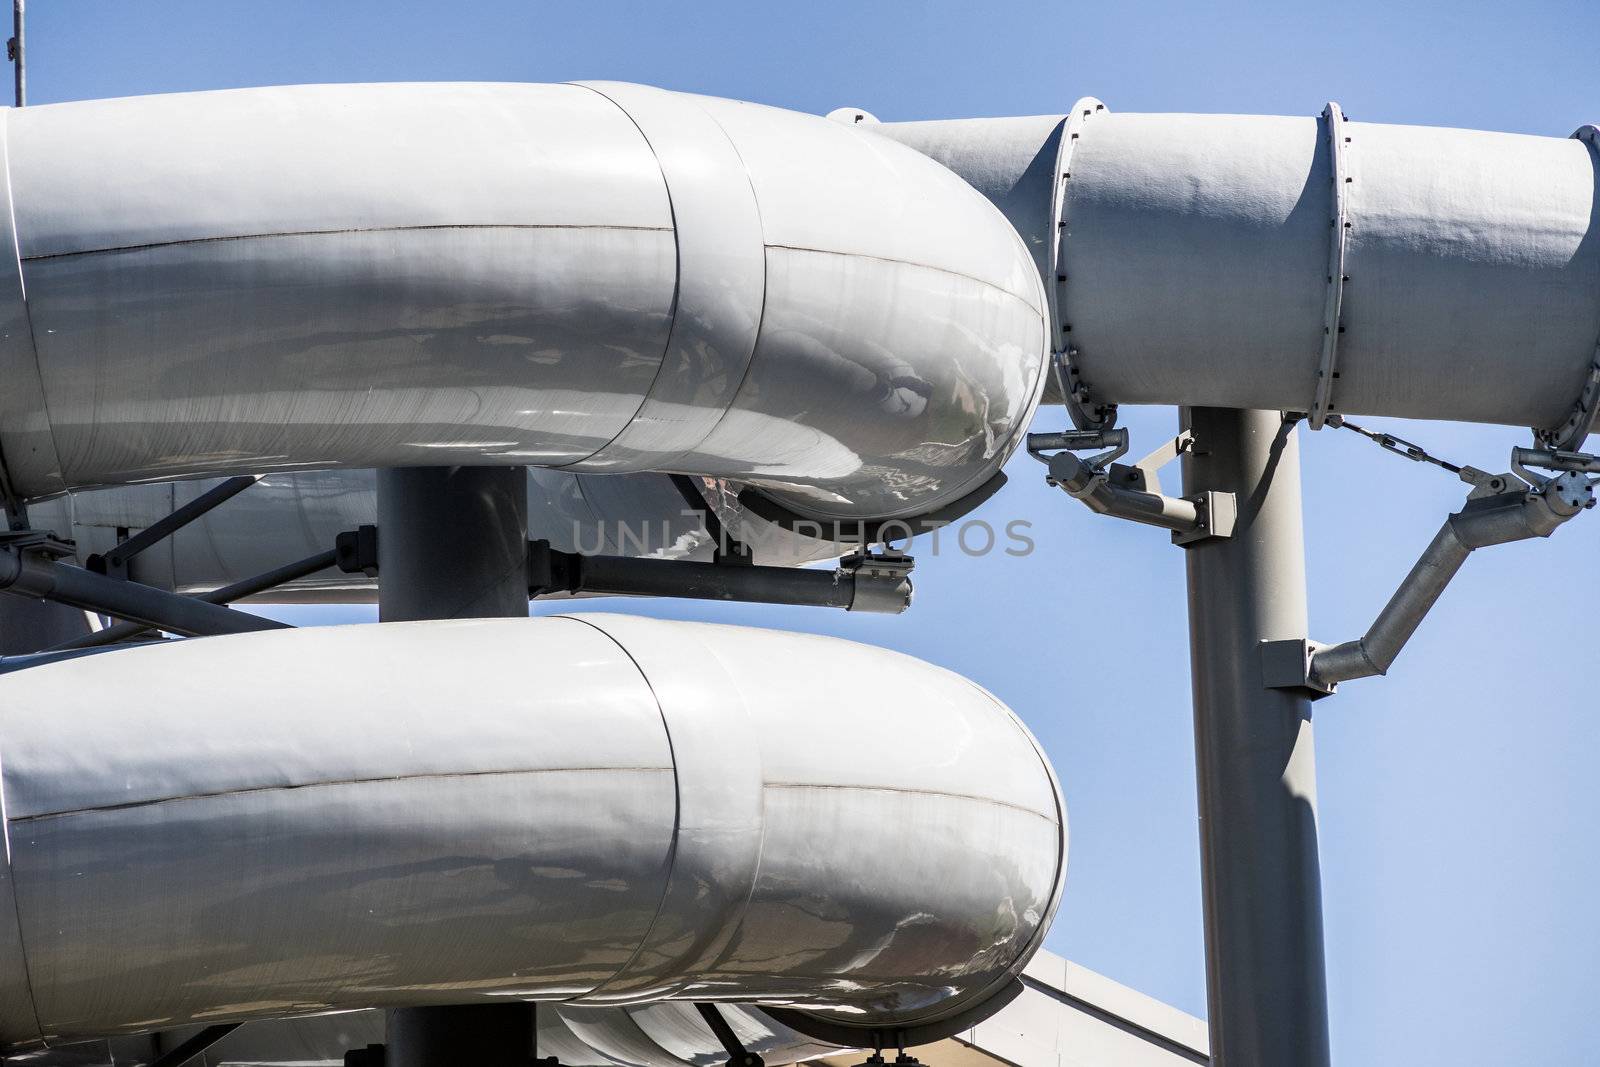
[
  {"x": 452, "y": 544},
  {"x": 115, "y": 560},
  {"x": 1255, "y": 768},
  {"x": 31, "y": 574},
  {"x": 187, "y": 1051},
  {"x": 259, "y": 583}
]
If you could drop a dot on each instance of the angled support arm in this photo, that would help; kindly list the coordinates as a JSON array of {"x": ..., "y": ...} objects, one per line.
[{"x": 1499, "y": 511}]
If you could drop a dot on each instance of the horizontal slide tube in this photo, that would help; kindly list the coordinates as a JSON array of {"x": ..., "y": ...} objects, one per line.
[
  {"x": 603, "y": 278},
  {"x": 1231, "y": 260},
  {"x": 595, "y": 809}
]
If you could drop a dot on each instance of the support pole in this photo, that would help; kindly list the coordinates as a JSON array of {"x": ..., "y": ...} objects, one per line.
[
  {"x": 1255, "y": 767},
  {"x": 452, "y": 544},
  {"x": 18, "y": 24},
  {"x": 467, "y": 1035}
]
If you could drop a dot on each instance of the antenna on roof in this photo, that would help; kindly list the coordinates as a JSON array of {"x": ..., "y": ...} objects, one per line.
[{"x": 14, "y": 50}]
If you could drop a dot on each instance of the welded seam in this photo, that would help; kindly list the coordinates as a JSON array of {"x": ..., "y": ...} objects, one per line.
[
  {"x": 761, "y": 320},
  {"x": 114, "y": 249},
  {"x": 27, "y": 316},
  {"x": 287, "y": 787},
  {"x": 677, "y": 813},
  {"x": 677, "y": 280},
  {"x": 899, "y": 790},
  {"x": 761, "y": 312},
  {"x": 1580, "y": 421},
  {"x": 909, "y": 263},
  {"x": 16, "y": 908}
]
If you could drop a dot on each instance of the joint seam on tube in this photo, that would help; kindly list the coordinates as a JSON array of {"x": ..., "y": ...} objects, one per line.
[
  {"x": 677, "y": 811},
  {"x": 33, "y": 371},
  {"x": 689, "y": 300},
  {"x": 15, "y": 915},
  {"x": 1338, "y": 241},
  {"x": 1075, "y": 395},
  {"x": 1580, "y": 421}
]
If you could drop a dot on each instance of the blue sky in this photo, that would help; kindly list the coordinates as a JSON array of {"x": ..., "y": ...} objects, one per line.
[{"x": 1460, "y": 811}]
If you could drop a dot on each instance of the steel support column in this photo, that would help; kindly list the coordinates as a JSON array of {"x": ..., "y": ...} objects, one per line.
[
  {"x": 452, "y": 544},
  {"x": 1266, "y": 987},
  {"x": 467, "y": 1035}
]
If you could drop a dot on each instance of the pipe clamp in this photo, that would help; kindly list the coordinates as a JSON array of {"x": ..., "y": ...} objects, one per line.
[
  {"x": 1075, "y": 392},
  {"x": 1338, "y": 242},
  {"x": 1580, "y": 422}
]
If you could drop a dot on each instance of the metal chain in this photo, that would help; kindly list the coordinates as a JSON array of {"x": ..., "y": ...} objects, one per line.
[{"x": 1398, "y": 445}]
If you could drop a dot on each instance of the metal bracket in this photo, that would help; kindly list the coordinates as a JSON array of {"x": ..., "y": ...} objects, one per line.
[
  {"x": 1076, "y": 395},
  {"x": 42, "y": 542},
  {"x": 900, "y": 1060},
  {"x": 725, "y": 547},
  {"x": 1338, "y": 241},
  {"x": 1287, "y": 665},
  {"x": 1218, "y": 514},
  {"x": 882, "y": 581},
  {"x": 1145, "y": 475},
  {"x": 1552, "y": 460},
  {"x": 1580, "y": 422},
  {"x": 1133, "y": 491},
  {"x": 1500, "y": 509}
]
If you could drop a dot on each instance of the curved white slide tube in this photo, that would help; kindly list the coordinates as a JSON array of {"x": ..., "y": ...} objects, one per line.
[
  {"x": 596, "y": 809},
  {"x": 593, "y": 277}
]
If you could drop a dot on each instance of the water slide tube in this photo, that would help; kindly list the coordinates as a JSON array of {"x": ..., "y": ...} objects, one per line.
[
  {"x": 1306, "y": 264},
  {"x": 601, "y": 278},
  {"x": 612, "y": 814},
  {"x": 1316, "y": 265},
  {"x": 607, "y": 280},
  {"x": 596, "y": 810}
]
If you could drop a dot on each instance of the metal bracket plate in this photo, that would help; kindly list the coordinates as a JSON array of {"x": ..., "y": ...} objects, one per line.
[
  {"x": 1287, "y": 665},
  {"x": 1338, "y": 241},
  {"x": 1219, "y": 512},
  {"x": 43, "y": 542}
]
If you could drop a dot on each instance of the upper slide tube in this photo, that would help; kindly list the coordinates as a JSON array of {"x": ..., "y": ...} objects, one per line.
[{"x": 601, "y": 278}]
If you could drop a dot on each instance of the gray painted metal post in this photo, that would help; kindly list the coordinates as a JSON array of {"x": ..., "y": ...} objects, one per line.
[
  {"x": 452, "y": 544},
  {"x": 1265, "y": 978},
  {"x": 468, "y": 1035},
  {"x": 18, "y": 26}
]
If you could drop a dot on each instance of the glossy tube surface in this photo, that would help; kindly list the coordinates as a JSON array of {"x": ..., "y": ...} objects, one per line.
[
  {"x": 598, "y": 810},
  {"x": 603, "y": 277}
]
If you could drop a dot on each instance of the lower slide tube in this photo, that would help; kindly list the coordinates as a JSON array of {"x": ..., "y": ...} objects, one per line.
[{"x": 592, "y": 809}]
